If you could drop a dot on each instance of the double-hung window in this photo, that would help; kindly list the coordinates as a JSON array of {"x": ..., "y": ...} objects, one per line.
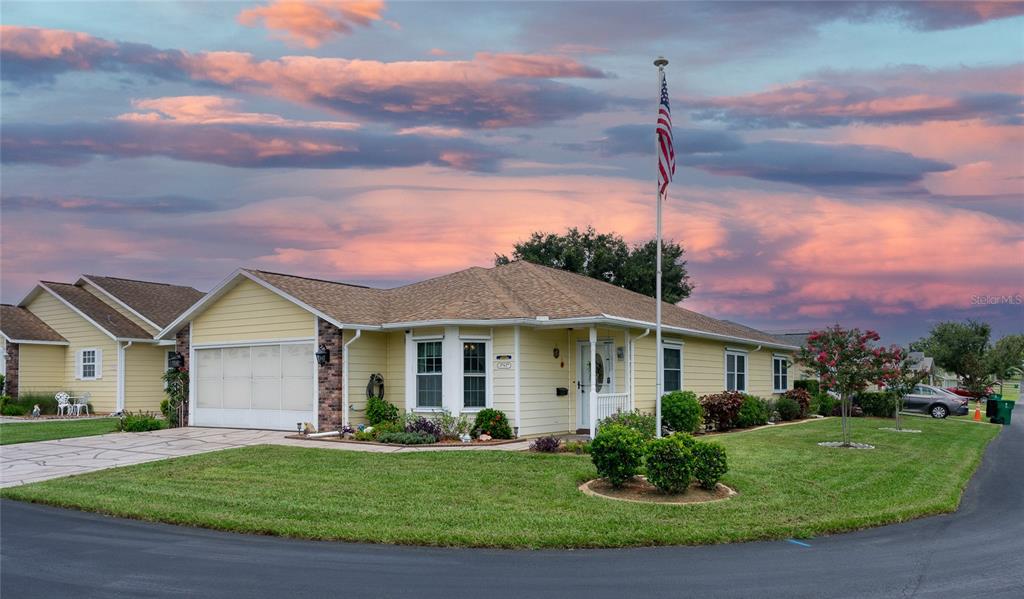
[
  {"x": 428, "y": 374},
  {"x": 474, "y": 374},
  {"x": 672, "y": 368},
  {"x": 780, "y": 374},
  {"x": 89, "y": 364},
  {"x": 735, "y": 370}
]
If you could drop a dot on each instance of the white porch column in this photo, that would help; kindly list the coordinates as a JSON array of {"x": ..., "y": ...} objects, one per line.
[
  {"x": 629, "y": 368},
  {"x": 515, "y": 374},
  {"x": 593, "y": 381}
]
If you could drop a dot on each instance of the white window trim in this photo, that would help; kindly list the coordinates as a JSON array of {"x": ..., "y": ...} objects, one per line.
[
  {"x": 678, "y": 345},
  {"x": 97, "y": 364},
  {"x": 488, "y": 375},
  {"x": 785, "y": 361},
  {"x": 415, "y": 374},
  {"x": 725, "y": 369}
]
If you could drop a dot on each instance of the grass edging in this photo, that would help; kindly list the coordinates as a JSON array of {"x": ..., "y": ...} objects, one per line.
[{"x": 529, "y": 500}]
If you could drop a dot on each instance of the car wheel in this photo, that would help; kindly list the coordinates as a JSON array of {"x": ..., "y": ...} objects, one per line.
[{"x": 939, "y": 412}]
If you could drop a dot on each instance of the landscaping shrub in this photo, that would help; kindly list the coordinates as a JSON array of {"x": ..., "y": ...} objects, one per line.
[
  {"x": 670, "y": 463},
  {"x": 881, "y": 405},
  {"x": 641, "y": 422},
  {"x": 363, "y": 436},
  {"x": 722, "y": 409},
  {"x": 423, "y": 425},
  {"x": 13, "y": 409},
  {"x": 617, "y": 452},
  {"x": 577, "y": 447},
  {"x": 823, "y": 404},
  {"x": 811, "y": 386},
  {"x": 753, "y": 412},
  {"x": 386, "y": 427},
  {"x": 404, "y": 438},
  {"x": 788, "y": 409},
  {"x": 681, "y": 411},
  {"x": 493, "y": 422},
  {"x": 47, "y": 404},
  {"x": 378, "y": 411},
  {"x": 709, "y": 463},
  {"x": 803, "y": 398},
  {"x": 548, "y": 444},
  {"x": 171, "y": 415},
  {"x": 139, "y": 422},
  {"x": 452, "y": 427}
]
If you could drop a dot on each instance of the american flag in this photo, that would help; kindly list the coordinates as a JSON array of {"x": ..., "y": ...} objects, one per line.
[{"x": 666, "y": 153}]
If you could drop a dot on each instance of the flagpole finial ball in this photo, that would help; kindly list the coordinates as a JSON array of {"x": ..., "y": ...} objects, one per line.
[{"x": 660, "y": 62}]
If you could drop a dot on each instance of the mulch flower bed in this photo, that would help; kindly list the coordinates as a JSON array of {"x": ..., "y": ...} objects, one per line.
[
  {"x": 448, "y": 443},
  {"x": 638, "y": 490}
]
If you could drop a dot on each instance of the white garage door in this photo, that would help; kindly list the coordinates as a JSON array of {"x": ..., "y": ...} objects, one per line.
[{"x": 254, "y": 386}]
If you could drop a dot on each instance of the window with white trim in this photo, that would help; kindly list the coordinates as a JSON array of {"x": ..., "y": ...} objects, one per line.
[
  {"x": 88, "y": 364},
  {"x": 735, "y": 371},
  {"x": 474, "y": 374},
  {"x": 672, "y": 368},
  {"x": 780, "y": 374},
  {"x": 428, "y": 374}
]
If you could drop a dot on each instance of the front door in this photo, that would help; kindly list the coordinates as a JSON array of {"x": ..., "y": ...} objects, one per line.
[{"x": 605, "y": 377}]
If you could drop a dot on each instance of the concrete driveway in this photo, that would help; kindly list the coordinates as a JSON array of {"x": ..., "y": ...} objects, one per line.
[{"x": 32, "y": 462}]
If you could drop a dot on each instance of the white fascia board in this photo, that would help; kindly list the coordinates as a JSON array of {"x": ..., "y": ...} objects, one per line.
[
  {"x": 118, "y": 301},
  {"x": 79, "y": 312},
  {"x": 34, "y": 342}
]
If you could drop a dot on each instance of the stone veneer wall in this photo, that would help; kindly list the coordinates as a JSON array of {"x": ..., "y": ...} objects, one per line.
[
  {"x": 11, "y": 359},
  {"x": 329, "y": 378}
]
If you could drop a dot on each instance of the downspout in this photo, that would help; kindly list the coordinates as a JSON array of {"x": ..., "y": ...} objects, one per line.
[
  {"x": 344, "y": 378},
  {"x": 120, "y": 373},
  {"x": 632, "y": 374}
]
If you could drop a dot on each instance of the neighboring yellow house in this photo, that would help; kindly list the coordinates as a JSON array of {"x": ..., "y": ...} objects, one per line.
[
  {"x": 554, "y": 350},
  {"x": 104, "y": 344}
]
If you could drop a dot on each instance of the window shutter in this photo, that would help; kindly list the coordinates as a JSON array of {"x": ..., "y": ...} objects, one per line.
[
  {"x": 99, "y": 363},
  {"x": 78, "y": 365}
]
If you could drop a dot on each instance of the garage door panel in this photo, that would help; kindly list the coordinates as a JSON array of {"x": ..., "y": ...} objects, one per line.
[
  {"x": 259, "y": 386},
  {"x": 298, "y": 394},
  {"x": 266, "y": 394}
]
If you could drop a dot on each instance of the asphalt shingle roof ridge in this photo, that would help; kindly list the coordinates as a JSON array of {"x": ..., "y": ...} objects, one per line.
[{"x": 94, "y": 277}]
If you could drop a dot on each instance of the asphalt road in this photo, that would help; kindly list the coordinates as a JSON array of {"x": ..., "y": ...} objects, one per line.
[{"x": 977, "y": 552}]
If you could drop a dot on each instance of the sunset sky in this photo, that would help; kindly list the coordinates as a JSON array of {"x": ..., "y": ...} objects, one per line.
[{"x": 860, "y": 163}]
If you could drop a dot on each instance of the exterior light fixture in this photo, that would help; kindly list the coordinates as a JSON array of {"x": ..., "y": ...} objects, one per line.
[
  {"x": 323, "y": 355},
  {"x": 176, "y": 361}
]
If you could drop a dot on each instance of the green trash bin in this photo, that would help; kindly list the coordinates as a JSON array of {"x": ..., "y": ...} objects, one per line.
[{"x": 1003, "y": 409}]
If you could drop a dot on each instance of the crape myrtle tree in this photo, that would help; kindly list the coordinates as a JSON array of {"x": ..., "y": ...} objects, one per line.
[
  {"x": 607, "y": 257},
  {"x": 896, "y": 372},
  {"x": 844, "y": 362}
]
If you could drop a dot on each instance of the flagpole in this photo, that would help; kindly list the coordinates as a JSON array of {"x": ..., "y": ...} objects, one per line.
[{"x": 660, "y": 357}]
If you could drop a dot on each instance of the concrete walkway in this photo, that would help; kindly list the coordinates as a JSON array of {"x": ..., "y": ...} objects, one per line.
[{"x": 23, "y": 463}]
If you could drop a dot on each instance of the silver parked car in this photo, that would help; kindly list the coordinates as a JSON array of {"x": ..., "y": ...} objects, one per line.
[{"x": 935, "y": 401}]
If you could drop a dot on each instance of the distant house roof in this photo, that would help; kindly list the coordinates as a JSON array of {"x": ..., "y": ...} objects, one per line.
[
  {"x": 158, "y": 303},
  {"x": 94, "y": 309},
  {"x": 798, "y": 339},
  {"x": 921, "y": 362},
  {"x": 18, "y": 325},
  {"x": 519, "y": 291}
]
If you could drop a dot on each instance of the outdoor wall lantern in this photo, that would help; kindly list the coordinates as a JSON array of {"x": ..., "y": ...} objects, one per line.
[
  {"x": 323, "y": 355},
  {"x": 176, "y": 361},
  {"x": 555, "y": 353}
]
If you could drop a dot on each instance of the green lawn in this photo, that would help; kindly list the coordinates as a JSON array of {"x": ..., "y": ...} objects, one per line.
[
  {"x": 26, "y": 432},
  {"x": 789, "y": 487}
]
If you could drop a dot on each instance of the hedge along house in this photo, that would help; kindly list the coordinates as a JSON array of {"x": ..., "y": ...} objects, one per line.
[
  {"x": 109, "y": 349},
  {"x": 554, "y": 350}
]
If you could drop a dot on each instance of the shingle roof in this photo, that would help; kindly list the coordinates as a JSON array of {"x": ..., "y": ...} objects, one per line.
[
  {"x": 158, "y": 302},
  {"x": 516, "y": 290},
  {"x": 102, "y": 314},
  {"x": 18, "y": 324}
]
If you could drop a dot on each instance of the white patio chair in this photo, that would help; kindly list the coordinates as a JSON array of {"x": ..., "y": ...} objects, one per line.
[
  {"x": 63, "y": 403},
  {"x": 81, "y": 404}
]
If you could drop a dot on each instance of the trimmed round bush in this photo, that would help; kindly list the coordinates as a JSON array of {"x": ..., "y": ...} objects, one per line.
[
  {"x": 681, "y": 411},
  {"x": 670, "y": 463},
  {"x": 378, "y": 411},
  {"x": 722, "y": 409},
  {"x": 803, "y": 398},
  {"x": 493, "y": 422},
  {"x": 709, "y": 463},
  {"x": 823, "y": 404},
  {"x": 753, "y": 412},
  {"x": 617, "y": 452},
  {"x": 788, "y": 409},
  {"x": 880, "y": 405},
  {"x": 642, "y": 422}
]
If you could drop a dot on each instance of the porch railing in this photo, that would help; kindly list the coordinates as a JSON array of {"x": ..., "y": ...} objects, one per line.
[{"x": 609, "y": 403}]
